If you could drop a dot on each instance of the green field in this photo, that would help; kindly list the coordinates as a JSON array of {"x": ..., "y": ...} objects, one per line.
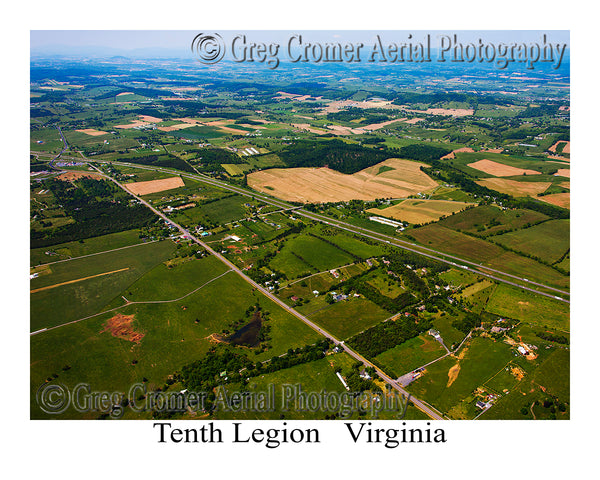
[
  {"x": 548, "y": 241},
  {"x": 483, "y": 358},
  {"x": 305, "y": 253},
  {"x": 69, "y": 302},
  {"x": 85, "y": 247},
  {"x": 487, "y": 253},
  {"x": 349, "y": 317},
  {"x": 172, "y": 338},
  {"x": 411, "y": 354},
  {"x": 534, "y": 309},
  {"x": 488, "y": 220}
]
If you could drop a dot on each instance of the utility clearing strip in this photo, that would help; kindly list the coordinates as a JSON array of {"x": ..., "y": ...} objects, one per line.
[{"x": 77, "y": 280}]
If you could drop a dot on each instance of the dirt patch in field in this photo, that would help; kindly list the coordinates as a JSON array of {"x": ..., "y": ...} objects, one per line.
[
  {"x": 513, "y": 187},
  {"x": 69, "y": 176},
  {"x": 121, "y": 326},
  {"x": 499, "y": 169},
  {"x": 563, "y": 172},
  {"x": 310, "y": 185},
  {"x": 517, "y": 372},
  {"x": 92, "y": 131},
  {"x": 453, "y": 374},
  {"x": 216, "y": 338},
  {"x": 559, "y": 199},
  {"x": 153, "y": 186}
]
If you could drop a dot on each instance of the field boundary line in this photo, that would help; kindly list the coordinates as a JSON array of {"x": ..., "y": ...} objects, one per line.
[
  {"x": 49, "y": 287},
  {"x": 127, "y": 305},
  {"x": 97, "y": 253}
]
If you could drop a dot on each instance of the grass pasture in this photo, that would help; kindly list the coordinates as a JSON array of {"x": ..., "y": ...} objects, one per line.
[
  {"x": 88, "y": 246},
  {"x": 488, "y": 219},
  {"x": 411, "y": 354},
  {"x": 548, "y": 241},
  {"x": 171, "y": 339},
  {"x": 349, "y": 317},
  {"x": 481, "y": 360},
  {"x": 71, "y": 301},
  {"x": 508, "y": 301},
  {"x": 305, "y": 253}
]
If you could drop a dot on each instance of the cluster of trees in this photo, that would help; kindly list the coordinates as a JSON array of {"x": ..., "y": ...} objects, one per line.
[
  {"x": 553, "y": 337},
  {"x": 335, "y": 154},
  {"x": 387, "y": 335},
  {"x": 204, "y": 375},
  {"x": 424, "y": 153},
  {"x": 166, "y": 161},
  {"x": 216, "y": 156},
  {"x": 467, "y": 322},
  {"x": 354, "y": 113},
  {"x": 92, "y": 217}
]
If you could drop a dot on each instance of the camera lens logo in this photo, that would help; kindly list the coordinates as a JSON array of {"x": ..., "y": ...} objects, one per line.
[
  {"x": 208, "y": 48},
  {"x": 53, "y": 398}
]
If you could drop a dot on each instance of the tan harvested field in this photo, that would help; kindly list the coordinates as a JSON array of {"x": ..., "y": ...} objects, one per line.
[
  {"x": 412, "y": 121},
  {"x": 563, "y": 172},
  {"x": 74, "y": 175},
  {"x": 124, "y": 93},
  {"x": 92, "y": 131},
  {"x": 499, "y": 169},
  {"x": 341, "y": 130},
  {"x": 377, "y": 126},
  {"x": 420, "y": 211},
  {"x": 566, "y": 148},
  {"x": 513, "y": 187},
  {"x": 454, "y": 112},
  {"x": 310, "y": 185},
  {"x": 135, "y": 123},
  {"x": 494, "y": 150},
  {"x": 453, "y": 153},
  {"x": 193, "y": 121},
  {"x": 148, "y": 118},
  {"x": 565, "y": 184},
  {"x": 559, "y": 199},
  {"x": 179, "y": 126},
  {"x": 153, "y": 186},
  {"x": 558, "y": 157}
]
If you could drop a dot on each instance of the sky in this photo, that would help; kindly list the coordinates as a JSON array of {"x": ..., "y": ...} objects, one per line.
[{"x": 64, "y": 41}]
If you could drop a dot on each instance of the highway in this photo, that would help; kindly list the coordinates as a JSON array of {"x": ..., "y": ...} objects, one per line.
[
  {"x": 448, "y": 259},
  {"x": 427, "y": 409}
]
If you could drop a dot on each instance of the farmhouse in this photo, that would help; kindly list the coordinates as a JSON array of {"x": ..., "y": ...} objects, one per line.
[{"x": 522, "y": 350}]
